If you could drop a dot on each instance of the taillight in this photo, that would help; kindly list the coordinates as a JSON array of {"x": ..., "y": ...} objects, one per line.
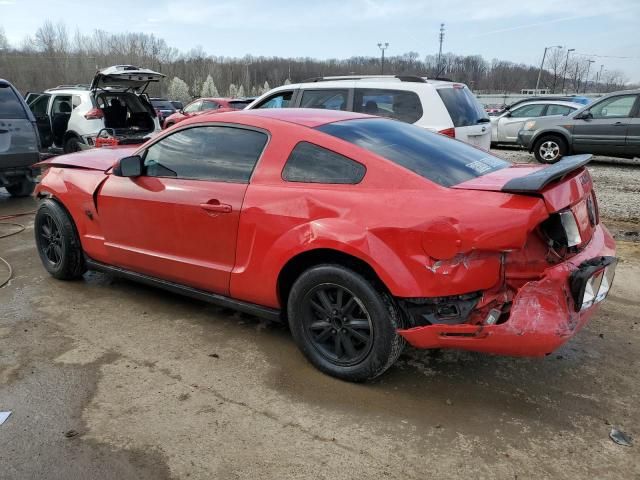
[
  {"x": 94, "y": 114},
  {"x": 449, "y": 132}
]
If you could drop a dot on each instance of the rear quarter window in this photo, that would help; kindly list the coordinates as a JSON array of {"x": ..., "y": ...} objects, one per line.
[
  {"x": 10, "y": 105},
  {"x": 462, "y": 106},
  {"x": 435, "y": 157},
  {"x": 399, "y": 104},
  {"x": 311, "y": 163}
]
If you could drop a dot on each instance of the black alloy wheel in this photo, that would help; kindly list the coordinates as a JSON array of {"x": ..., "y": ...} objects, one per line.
[{"x": 337, "y": 324}]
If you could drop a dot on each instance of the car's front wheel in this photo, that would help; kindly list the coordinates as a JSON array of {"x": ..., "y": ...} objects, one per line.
[
  {"x": 549, "y": 149},
  {"x": 343, "y": 324},
  {"x": 57, "y": 241}
]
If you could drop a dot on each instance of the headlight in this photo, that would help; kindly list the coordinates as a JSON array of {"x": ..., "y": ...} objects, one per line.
[{"x": 530, "y": 125}]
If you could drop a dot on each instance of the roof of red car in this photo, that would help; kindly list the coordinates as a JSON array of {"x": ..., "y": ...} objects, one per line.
[{"x": 308, "y": 117}]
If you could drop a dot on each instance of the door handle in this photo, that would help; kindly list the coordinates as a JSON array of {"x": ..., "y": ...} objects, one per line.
[
  {"x": 619, "y": 124},
  {"x": 216, "y": 206}
]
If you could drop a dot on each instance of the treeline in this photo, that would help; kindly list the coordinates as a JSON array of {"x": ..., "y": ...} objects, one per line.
[{"x": 54, "y": 56}]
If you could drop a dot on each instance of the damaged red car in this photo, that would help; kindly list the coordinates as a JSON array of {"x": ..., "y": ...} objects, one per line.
[{"x": 363, "y": 233}]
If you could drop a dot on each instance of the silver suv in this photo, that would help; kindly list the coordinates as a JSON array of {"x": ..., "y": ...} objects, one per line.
[
  {"x": 441, "y": 106},
  {"x": 609, "y": 126}
]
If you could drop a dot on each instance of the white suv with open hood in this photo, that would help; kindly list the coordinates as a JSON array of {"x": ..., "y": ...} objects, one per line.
[
  {"x": 442, "y": 106},
  {"x": 114, "y": 106}
]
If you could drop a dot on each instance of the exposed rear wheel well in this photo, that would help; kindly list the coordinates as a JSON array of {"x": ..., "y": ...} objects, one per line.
[{"x": 302, "y": 262}]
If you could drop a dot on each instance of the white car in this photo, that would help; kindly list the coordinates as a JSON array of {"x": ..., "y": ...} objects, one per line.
[
  {"x": 505, "y": 127},
  {"x": 441, "y": 106},
  {"x": 114, "y": 105}
]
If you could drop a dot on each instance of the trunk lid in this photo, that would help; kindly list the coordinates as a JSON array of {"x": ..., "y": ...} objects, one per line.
[
  {"x": 565, "y": 185},
  {"x": 126, "y": 77}
]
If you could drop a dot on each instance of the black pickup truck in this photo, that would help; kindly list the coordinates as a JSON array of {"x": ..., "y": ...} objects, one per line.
[{"x": 19, "y": 142}]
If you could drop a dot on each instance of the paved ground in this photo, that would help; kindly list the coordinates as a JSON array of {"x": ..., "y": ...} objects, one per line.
[{"x": 157, "y": 386}]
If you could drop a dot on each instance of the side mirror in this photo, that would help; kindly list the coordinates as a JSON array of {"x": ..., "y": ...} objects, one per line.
[
  {"x": 586, "y": 115},
  {"x": 128, "y": 167},
  {"x": 507, "y": 115},
  {"x": 181, "y": 111}
]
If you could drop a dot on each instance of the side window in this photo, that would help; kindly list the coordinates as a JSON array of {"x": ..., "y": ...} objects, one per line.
[
  {"x": 279, "y": 100},
  {"x": 326, "y": 99},
  {"x": 223, "y": 154},
  {"x": 310, "y": 163},
  {"x": 399, "y": 104},
  {"x": 61, "y": 104},
  {"x": 75, "y": 101},
  {"x": 528, "y": 111},
  {"x": 193, "y": 107},
  {"x": 209, "y": 105},
  {"x": 558, "y": 110},
  {"x": 39, "y": 105},
  {"x": 614, "y": 107}
]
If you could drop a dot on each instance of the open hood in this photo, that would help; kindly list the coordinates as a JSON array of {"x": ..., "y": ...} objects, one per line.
[{"x": 126, "y": 77}]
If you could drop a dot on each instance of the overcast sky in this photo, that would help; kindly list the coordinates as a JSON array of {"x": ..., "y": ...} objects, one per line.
[{"x": 506, "y": 29}]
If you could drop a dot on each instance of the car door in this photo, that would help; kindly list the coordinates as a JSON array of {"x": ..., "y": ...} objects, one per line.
[
  {"x": 40, "y": 109},
  {"x": 603, "y": 127},
  {"x": 512, "y": 122},
  {"x": 632, "y": 143},
  {"x": 179, "y": 220}
]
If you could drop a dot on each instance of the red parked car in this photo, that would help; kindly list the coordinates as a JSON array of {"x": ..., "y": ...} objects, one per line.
[
  {"x": 206, "y": 105},
  {"x": 363, "y": 233}
]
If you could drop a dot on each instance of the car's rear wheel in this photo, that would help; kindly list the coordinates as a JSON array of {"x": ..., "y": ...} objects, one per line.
[
  {"x": 57, "y": 242},
  {"x": 72, "y": 144},
  {"x": 549, "y": 149},
  {"x": 23, "y": 188},
  {"x": 343, "y": 324}
]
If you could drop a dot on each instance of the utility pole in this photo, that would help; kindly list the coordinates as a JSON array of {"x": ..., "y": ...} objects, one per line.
[
  {"x": 382, "y": 47},
  {"x": 441, "y": 37},
  {"x": 544, "y": 55},
  {"x": 577, "y": 79},
  {"x": 586, "y": 82},
  {"x": 598, "y": 78},
  {"x": 566, "y": 62}
]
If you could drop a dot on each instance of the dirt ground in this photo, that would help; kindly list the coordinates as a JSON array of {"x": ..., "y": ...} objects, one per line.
[{"x": 108, "y": 379}]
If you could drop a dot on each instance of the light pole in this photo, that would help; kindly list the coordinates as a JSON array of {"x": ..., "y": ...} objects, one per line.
[
  {"x": 382, "y": 47},
  {"x": 566, "y": 62},
  {"x": 542, "y": 63},
  {"x": 586, "y": 82}
]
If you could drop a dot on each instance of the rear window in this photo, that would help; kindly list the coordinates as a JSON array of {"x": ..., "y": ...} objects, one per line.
[
  {"x": 462, "y": 106},
  {"x": 435, "y": 157},
  {"x": 10, "y": 105},
  {"x": 399, "y": 104}
]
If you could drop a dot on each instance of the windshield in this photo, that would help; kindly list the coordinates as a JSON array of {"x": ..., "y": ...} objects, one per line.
[
  {"x": 163, "y": 104},
  {"x": 462, "y": 106},
  {"x": 435, "y": 157}
]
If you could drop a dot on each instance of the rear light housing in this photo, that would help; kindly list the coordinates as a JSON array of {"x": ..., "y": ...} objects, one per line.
[
  {"x": 591, "y": 283},
  {"x": 561, "y": 230},
  {"x": 94, "y": 114},
  {"x": 449, "y": 132}
]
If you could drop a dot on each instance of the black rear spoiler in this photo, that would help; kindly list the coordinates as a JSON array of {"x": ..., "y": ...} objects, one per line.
[{"x": 536, "y": 181}]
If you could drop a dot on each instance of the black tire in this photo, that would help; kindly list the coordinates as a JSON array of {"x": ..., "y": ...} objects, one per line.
[
  {"x": 550, "y": 149},
  {"x": 363, "y": 318},
  {"x": 57, "y": 241},
  {"x": 22, "y": 189},
  {"x": 72, "y": 144}
]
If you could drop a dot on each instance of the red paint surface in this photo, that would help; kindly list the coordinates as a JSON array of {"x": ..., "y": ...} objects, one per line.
[{"x": 421, "y": 239}]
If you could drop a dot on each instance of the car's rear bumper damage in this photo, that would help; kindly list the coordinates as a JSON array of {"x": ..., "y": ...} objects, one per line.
[{"x": 543, "y": 313}]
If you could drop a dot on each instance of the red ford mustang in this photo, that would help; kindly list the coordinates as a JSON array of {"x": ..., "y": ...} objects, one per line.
[{"x": 363, "y": 233}]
